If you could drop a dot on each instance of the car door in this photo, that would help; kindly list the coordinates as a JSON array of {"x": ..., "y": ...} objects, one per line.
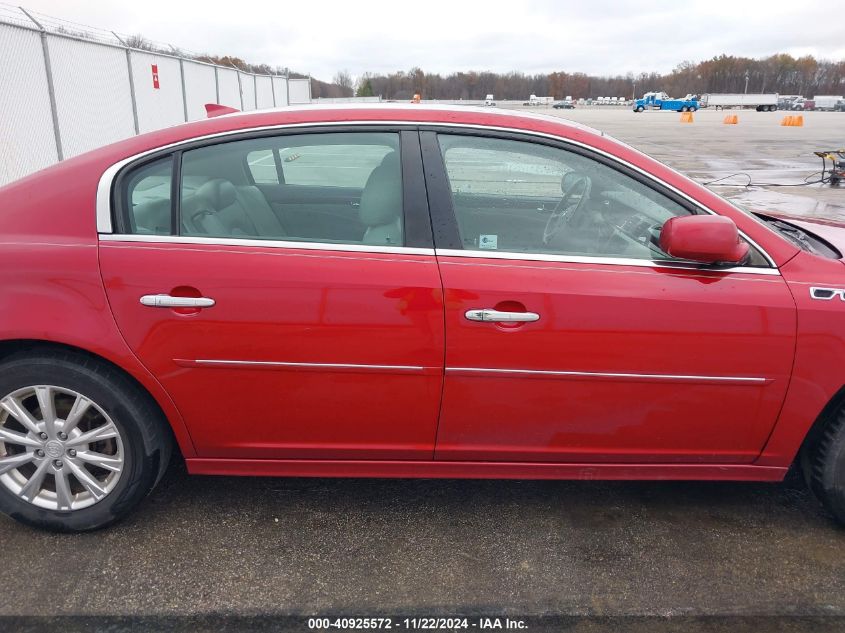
[
  {"x": 570, "y": 337},
  {"x": 274, "y": 343}
]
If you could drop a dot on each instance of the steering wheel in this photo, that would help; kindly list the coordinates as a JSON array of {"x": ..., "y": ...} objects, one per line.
[{"x": 578, "y": 186}]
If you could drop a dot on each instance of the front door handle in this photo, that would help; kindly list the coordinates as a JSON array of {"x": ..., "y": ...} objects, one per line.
[
  {"x": 169, "y": 301},
  {"x": 496, "y": 316}
]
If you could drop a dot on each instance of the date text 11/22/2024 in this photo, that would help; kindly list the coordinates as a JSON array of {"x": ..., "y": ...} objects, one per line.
[{"x": 417, "y": 623}]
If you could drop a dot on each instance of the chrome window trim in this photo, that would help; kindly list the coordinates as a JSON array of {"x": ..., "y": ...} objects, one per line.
[
  {"x": 613, "y": 261},
  {"x": 104, "y": 186},
  {"x": 593, "y": 374},
  {"x": 255, "y": 243}
]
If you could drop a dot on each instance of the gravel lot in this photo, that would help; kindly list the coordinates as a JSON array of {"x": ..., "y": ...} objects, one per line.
[{"x": 218, "y": 547}]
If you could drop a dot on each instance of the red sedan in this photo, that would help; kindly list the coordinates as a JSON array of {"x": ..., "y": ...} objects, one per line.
[{"x": 403, "y": 291}]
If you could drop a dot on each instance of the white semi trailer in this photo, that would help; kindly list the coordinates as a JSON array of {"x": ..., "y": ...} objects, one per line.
[
  {"x": 827, "y": 102},
  {"x": 761, "y": 102}
]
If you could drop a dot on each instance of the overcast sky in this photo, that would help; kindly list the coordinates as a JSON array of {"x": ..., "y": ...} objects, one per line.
[{"x": 596, "y": 36}]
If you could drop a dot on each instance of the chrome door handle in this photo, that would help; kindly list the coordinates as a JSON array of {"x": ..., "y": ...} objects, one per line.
[
  {"x": 169, "y": 301},
  {"x": 495, "y": 316}
]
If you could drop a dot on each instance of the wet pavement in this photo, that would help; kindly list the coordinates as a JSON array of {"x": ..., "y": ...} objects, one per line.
[
  {"x": 202, "y": 545},
  {"x": 757, "y": 150}
]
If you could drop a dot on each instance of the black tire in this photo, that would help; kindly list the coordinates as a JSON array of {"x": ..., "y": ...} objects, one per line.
[
  {"x": 146, "y": 437},
  {"x": 823, "y": 464}
]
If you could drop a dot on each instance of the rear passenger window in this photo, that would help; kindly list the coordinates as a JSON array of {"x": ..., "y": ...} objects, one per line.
[
  {"x": 147, "y": 198},
  {"x": 331, "y": 165},
  {"x": 262, "y": 165},
  {"x": 341, "y": 188}
]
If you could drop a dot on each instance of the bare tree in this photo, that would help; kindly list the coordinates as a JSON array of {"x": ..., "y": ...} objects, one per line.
[{"x": 343, "y": 79}]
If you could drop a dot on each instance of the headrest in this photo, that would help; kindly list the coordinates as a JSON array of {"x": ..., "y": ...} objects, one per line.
[
  {"x": 220, "y": 193},
  {"x": 153, "y": 216},
  {"x": 381, "y": 199},
  {"x": 568, "y": 179}
]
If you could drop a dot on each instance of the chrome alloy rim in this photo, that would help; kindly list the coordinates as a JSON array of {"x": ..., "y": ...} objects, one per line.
[{"x": 58, "y": 449}]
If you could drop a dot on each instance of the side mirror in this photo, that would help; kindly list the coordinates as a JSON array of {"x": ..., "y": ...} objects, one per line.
[{"x": 707, "y": 239}]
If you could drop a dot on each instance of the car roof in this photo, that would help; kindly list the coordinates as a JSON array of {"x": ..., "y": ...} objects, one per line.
[
  {"x": 339, "y": 113},
  {"x": 467, "y": 111}
]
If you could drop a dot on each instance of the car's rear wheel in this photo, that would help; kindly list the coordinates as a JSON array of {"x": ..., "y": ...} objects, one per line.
[
  {"x": 823, "y": 463},
  {"x": 80, "y": 443}
]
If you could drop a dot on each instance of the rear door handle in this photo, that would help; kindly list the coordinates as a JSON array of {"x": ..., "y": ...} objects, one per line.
[
  {"x": 496, "y": 316},
  {"x": 169, "y": 301}
]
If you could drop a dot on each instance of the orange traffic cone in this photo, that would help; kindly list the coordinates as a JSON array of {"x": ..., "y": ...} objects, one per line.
[
  {"x": 799, "y": 121},
  {"x": 686, "y": 117},
  {"x": 787, "y": 120},
  {"x": 731, "y": 119}
]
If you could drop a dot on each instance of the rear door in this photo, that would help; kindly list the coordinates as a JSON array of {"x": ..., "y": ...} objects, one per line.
[
  {"x": 278, "y": 339},
  {"x": 570, "y": 337}
]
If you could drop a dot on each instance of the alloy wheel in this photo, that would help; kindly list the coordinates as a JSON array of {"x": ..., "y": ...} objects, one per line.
[{"x": 59, "y": 450}]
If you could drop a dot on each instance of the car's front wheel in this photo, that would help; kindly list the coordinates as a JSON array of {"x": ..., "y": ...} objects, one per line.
[
  {"x": 80, "y": 443},
  {"x": 823, "y": 463}
]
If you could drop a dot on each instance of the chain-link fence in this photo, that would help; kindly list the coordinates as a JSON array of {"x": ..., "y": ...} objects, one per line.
[{"x": 70, "y": 88}]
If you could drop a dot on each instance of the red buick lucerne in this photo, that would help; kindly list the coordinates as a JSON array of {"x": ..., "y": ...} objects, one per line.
[{"x": 404, "y": 291}]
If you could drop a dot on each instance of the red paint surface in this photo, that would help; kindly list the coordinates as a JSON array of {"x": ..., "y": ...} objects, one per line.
[{"x": 58, "y": 283}]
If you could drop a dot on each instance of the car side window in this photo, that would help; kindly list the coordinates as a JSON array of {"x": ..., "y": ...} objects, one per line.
[
  {"x": 147, "y": 198},
  {"x": 524, "y": 197},
  {"x": 333, "y": 187},
  {"x": 262, "y": 166}
]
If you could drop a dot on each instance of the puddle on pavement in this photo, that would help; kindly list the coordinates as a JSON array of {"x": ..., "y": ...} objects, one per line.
[
  {"x": 813, "y": 200},
  {"x": 761, "y": 199}
]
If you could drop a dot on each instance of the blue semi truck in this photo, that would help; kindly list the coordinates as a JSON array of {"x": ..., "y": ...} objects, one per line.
[{"x": 662, "y": 101}]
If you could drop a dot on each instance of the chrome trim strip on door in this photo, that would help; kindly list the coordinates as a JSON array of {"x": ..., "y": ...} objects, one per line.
[
  {"x": 247, "y": 364},
  {"x": 615, "y": 261},
  {"x": 253, "y": 243},
  {"x": 258, "y": 364},
  {"x": 104, "y": 223},
  {"x": 739, "y": 380}
]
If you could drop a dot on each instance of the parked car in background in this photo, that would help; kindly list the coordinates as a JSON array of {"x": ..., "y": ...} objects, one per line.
[
  {"x": 404, "y": 291},
  {"x": 840, "y": 106},
  {"x": 564, "y": 105}
]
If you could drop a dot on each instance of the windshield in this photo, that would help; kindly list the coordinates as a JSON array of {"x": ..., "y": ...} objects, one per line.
[{"x": 803, "y": 239}]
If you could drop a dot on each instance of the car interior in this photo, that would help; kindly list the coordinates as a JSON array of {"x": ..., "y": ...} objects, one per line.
[
  {"x": 347, "y": 188},
  {"x": 538, "y": 199},
  {"x": 224, "y": 194}
]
